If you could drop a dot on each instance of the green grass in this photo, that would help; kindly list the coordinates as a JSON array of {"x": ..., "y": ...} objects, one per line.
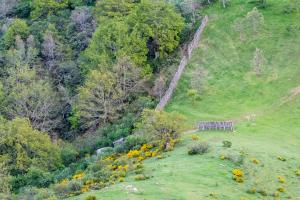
[{"x": 231, "y": 92}]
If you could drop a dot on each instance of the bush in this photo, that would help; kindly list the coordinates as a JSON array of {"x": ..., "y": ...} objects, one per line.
[
  {"x": 68, "y": 154},
  {"x": 199, "y": 148},
  {"x": 134, "y": 142},
  {"x": 291, "y": 7},
  {"x": 35, "y": 177},
  {"x": 30, "y": 193},
  {"x": 141, "y": 177},
  {"x": 227, "y": 144},
  {"x": 235, "y": 157},
  {"x": 68, "y": 187},
  {"x": 90, "y": 198}
]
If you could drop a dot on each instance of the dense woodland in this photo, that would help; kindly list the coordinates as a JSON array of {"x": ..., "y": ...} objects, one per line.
[{"x": 76, "y": 75}]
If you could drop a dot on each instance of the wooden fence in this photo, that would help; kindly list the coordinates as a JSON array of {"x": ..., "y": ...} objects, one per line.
[
  {"x": 187, "y": 55},
  {"x": 222, "y": 126}
]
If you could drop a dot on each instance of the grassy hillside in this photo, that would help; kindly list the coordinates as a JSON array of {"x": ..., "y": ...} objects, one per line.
[{"x": 266, "y": 109}]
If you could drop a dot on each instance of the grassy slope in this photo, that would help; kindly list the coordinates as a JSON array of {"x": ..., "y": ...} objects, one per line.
[{"x": 232, "y": 93}]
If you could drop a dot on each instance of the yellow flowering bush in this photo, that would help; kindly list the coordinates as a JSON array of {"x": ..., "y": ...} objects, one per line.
[
  {"x": 195, "y": 137},
  {"x": 281, "y": 158},
  {"x": 109, "y": 158},
  {"x": 281, "y": 179},
  {"x": 133, "y": 153},
  {"x": 222, "y": 157},
  {"x": 146, "y": 147},
  {"x": 281, "y": 189},
  {"x": 122, "y": 168},
  {"x": 64, "y": 182},
  {"x": 140, "y": 158},
  {"x": 297, "y": 173},
  {"x": 148, "y": 154},
  {"x": 238, "y": 175},
  {"x": 255, "y": 161},
  {"x": 78, "y": 176},
  {"x": 85, "y": 188},
  {"x": 238, "y": 172}
]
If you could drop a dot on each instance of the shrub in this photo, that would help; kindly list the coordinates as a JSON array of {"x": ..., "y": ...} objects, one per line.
[
  {"x": 134, "y": 142},
  {"x": 141, "y": 177},
  {"x": 227, "y": 144},
  {"x": 291, "y": 7},
  {"x": 160, "y": 125},
  {"x": 238, "y": 175},
  {"x": 67, "y": 187},
  {"x": 199, "y": 148},
  {"x": 195, "y": 137},
  {"x": 30, "y": 193},
  {"x": 68, "y": 154},
  {"x": 35, "y": 177},
  {"x": 90, "y": 198},
  {"x": 235, "y": 157}
]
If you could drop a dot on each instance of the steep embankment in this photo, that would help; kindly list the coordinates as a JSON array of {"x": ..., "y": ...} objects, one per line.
[{"x": 267, "y": 108}]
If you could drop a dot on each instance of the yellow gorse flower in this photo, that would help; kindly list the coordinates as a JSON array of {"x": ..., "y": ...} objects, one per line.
[
  {"x": 133, "y": 153},
  {"x": 146, "y": 147},
  {"x": 238, "y": 172},
  {"x": 78, "y": 176},
  {"x": 281, "y": 179}
]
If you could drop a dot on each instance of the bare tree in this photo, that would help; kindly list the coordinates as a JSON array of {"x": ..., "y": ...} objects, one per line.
[
  {"x": 239, "y": 26},
  {"x": 254, "y": 20},
  {"x": 197, "y": 80},
  {"x": 258, "y": 61},
  {"x": 81, "y": 17},
  {"x": 159, "y": 86},
  {"x": 128, "y": 75},
  {"x": 6, "y": 6},
  {"x": 26, "y": 94}
]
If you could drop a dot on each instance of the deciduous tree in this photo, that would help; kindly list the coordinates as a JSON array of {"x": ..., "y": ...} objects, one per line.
[{"x": 25, "y": 147}]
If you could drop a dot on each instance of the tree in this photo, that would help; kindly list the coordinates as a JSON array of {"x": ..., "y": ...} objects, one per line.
[
  {"x": 17, "y": 27},
  {"x": 25, "y": 147},
  {"x": 159, "y": 125},
  {"x": 5, "y": 178},
  {"x": 99, "y": 100},
  {"x": 27, "y": 95},
  {"x": 189, "y": 7},
  {"x": 128, "y": 76},
  {"x": 159, "y": 86},
  {"x": 6, "y": 7},
  {"x": 110, "y": 41},
  {"x": 254, "y": 20},
  {"x": 158, "y": 25},
  {"x": 258, "y": 62},
  {"x": 42, "y": 8},
  {"x": 150, "y": 30},
  {"x": 81, "y": 28},
  {"x": 114, "y": 8}
]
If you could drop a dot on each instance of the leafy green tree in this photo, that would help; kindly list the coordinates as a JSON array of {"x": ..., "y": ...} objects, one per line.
[
  {"x": 99, "y": 100},
  {"x": 5, "y": 178},
  {"x": 25, "y": 147},
  {"x": 114, "y": 8},
  {"x": 17, "y": 27},
  {"x": 150, "y": 30},
  {"x": 42, "y": 8},
  {"x": 160, "y": 125},
  {"x": 156, "y": 24}
]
